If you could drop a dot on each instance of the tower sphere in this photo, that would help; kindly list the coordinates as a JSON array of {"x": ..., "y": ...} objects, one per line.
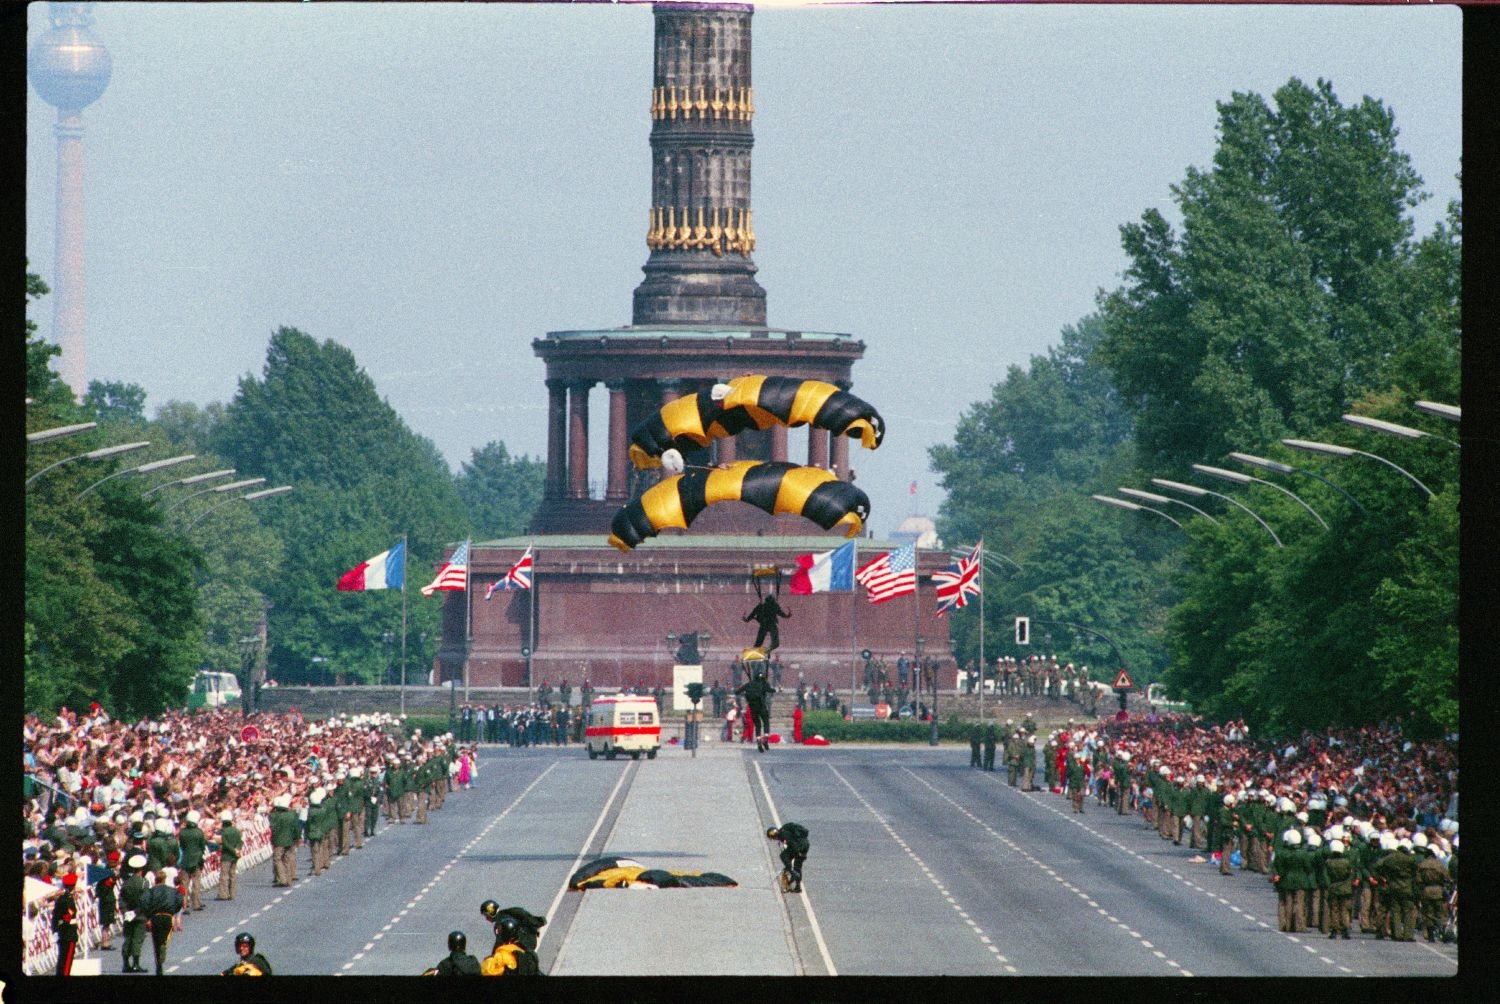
[{"x": 68, "y": 66}]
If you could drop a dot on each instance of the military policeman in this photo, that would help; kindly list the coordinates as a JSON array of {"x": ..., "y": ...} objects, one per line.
[{"x": 231, "y": 843}]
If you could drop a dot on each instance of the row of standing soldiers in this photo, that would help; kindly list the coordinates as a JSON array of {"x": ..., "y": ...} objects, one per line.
[
  {"x": 533, "y": 725},
  {"x": 338, "y": 822}
]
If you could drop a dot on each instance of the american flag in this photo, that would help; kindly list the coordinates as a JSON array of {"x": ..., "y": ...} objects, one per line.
[
  {"x": 454, "y": 576},
  {"x": 890, "y": 575},
  {"x": 519, "y": 577},
  {"x": 959, "y": 582}
]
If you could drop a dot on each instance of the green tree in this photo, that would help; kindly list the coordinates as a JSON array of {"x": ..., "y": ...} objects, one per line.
[
  {"x": 501, "y": 493},
  {"x": 112, "y": 401},
  {"x": 1289, "y": 288},
  {"x": 362, "y": 478}
]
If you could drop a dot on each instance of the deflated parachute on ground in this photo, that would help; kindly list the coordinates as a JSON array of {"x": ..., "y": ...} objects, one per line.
[
  {"x": 753, "y": 402},
  {"x": 775, "y": 487},
  {"x": 623, "y": 873}
]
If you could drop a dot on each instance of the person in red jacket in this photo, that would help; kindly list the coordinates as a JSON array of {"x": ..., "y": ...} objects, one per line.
[{"x": 797, "y": 724}]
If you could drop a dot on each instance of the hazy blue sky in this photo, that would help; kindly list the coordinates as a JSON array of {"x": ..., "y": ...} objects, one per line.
[{"x": 436, "y": 185}]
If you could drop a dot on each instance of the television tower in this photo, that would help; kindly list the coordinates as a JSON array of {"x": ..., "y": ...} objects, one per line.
[{"x": 70, "y": 69}]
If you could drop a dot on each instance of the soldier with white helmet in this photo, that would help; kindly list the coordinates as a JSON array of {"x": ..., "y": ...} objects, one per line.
[
  {"x": 1340, "y": 888},
  {"x": 285, "y": 837},
  {"x": 1289, "y": 875}
]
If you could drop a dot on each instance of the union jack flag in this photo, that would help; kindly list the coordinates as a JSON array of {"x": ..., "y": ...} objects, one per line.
[
  {"x": 890, "y": 575},
  {"x": 959, "y": 582},
  {"x": 454, "y": 576},
  {"x": 519, "y": 577}
]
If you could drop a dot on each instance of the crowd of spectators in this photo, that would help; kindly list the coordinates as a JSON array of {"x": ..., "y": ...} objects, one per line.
[{"x": 93, "y": 786}]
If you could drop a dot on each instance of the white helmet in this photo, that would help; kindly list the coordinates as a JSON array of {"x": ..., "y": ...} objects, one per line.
[
  {"x": 1291, "y": 838},
  {"x": 1285, "y": 805},
  {"x": 1313, "y": 840},
  {"x": 1229, "y": 798},
  {"x": 1419, "y": 839},
  {"x": 193, "y": 816},
  {"x": 1336, "y": 846},
  {"x": 282, "y": 802}
]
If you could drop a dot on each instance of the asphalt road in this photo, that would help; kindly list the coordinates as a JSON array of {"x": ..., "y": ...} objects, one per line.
[{"x": 919, "y": 866}]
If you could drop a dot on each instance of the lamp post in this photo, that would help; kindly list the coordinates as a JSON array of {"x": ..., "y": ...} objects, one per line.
[
  {"x": 387, "y": 639},
  {"x": 1153, "y": 497},
  {"x": 1280, "y": 468},
  {"x": 233, "y": 486},
  {"x": 932, "y": 736},
  {"x": 249, "y": 646},
  {"x": 1449, "y": 411},
  {"x": 1196, "y": 492},
  {"x": 1122, "y": 504},
  {"x": 253, "y": 496},
  {"x": 46, "y": 435},
  {"x": 154, "y": 465},
  {"x": 1244, "y": 479},
  {"x": 1334, "y": 450},
  {"x": 99, "y": 454},
  {"x": 195, "y": 479},
  {"x": 1392, "y": 429}
]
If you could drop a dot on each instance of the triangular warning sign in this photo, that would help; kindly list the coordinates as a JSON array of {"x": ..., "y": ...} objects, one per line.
[{"x": 1122, "y": 682}]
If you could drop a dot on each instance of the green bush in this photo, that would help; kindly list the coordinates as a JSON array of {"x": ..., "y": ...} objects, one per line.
[{"x": 831, "y": 726}]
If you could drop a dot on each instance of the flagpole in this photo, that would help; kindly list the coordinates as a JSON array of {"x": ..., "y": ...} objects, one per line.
[
  {"x": 468, "y": 611},
  {"x": 404, "y": 557},
  {"x": 854, "y": 634},
  {"x": 531, "y": 627},
  {"x": 980, "y": 550}
]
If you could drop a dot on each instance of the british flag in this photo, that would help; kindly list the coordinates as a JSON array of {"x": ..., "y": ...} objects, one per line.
[
  {"x": 959, "y": 582},
  {"x": 519, "y": 577}
]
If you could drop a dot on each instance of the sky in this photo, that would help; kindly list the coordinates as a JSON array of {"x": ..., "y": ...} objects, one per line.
[{"x": 436, "y": 185}]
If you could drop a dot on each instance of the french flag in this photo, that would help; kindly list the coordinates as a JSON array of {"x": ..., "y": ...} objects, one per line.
[
  {"x": 828, "y": 572},
  {"x": 387, "y": 570}
]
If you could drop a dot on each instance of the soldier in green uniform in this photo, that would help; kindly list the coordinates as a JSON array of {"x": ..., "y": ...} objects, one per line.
[
  {"x": 1397, "y": 874},
  {"x": 1317, "y": 861},
  {"x": 1288, "y": 876},
  {"x": 1013, "y": 754},
  {"x": 358, "y": 801},
  {"x": 1121, "y": 768},
  {"x": 422, "y": 788},
  {"x": 976, "y": 738},
  {"x": 161, "y": 849},
  {"x": 989, "y": 747},
  {"x": 374, "y": 786},
  {"x": 231, "y": 842},
  {"x": 193, "y": 844},
  {"x": 1229, "y": 830},
  {"x": 132, "y": 895},
  {"x": 1077, "y": 779},
  {"x": 1340, "y": 873},
  {"x": 392, "y": 788},
  {"x": 285, "y": 836},
  {"x": 1432, "y": 888}
]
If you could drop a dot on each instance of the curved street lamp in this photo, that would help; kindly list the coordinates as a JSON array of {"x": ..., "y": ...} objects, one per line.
[
  {"x": 1153, "y": 497},
  {"x": 1196, "y": 492},
  {"x": 154, "y": 465},
  {"x": 1449, "y": 411},
  {"x": 44, "y": 435},
  {"x": 1243, "y": 479},
  {"x": 1334, "y": 450},
  {"x": 195, "y": 479},
  {"x": 1392, "y": 429},
  {"x": 231, "y": 487},
  {"x": 251, "y": 497},
  {"x": 1280, "y": 468},
  {"x": 1122, "y": 504},
  {"x": 99, "y": 454}
]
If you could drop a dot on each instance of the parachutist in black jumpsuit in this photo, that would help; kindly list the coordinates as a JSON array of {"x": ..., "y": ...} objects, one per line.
[
  {"x": 767, "y": 613},
  {"x": 793, "y": 837}
]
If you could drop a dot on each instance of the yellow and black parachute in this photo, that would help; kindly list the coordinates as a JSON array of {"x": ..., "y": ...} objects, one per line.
[
  {"x": 757, "y": 402},
  {"x": 774, "y": 487}
]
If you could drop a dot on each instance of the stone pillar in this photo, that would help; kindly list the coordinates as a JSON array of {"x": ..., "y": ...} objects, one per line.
[
  {"x": 68, "y": 292},
  {"x": 840, "y": 458},
  {"x": 700, "y": 228},
  {"x": 557, "y": 439},
  {"x": 817, "y": 447},
  {"x": 578, "y": 438},
  {"x": 778, "y": 442},
  {"x": 618, "y": 486}
]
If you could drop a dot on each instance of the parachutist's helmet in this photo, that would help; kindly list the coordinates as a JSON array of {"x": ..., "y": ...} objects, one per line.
[
  {"x": 244, "y": 938},
  {"x": 489, "y": 908},
  {"x": 507, "y": 929},
  {"x": 457, "y": 942},
  {"x": 773, "y": 833}
]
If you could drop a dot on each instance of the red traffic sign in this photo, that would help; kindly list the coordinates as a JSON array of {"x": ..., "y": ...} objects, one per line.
[
  {"x": 1122, "y": 682},
  {"x": 249, "y": 734}
]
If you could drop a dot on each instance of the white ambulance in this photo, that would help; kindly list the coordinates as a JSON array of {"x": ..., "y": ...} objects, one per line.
[{"x": 623, "y": 723}]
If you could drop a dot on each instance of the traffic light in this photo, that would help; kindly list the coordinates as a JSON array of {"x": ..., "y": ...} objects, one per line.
[
  {"x": 694, "y": 692},
  {"x": 1023, "y": 630}
]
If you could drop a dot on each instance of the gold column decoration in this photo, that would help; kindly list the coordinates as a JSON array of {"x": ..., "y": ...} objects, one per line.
[
  {"x": 715, "y": 231},
  {"x": 655, "y": 103},
  {"x": 702, "y": 103},
  {"x": 669, "y": 235},
  {"x": 700, "y": 233},
  {"x": 653, "y": 232},
  {"x": 671, "y": 102},
  {"x": 749, "y": 103},
  {"x": 749, "y": 230},
  {"x": 717, "y": 104}
]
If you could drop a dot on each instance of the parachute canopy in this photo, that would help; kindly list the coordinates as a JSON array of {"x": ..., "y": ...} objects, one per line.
[
  {"x": 759, "y": 402},
  {"x": 774, "y": 487}
]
